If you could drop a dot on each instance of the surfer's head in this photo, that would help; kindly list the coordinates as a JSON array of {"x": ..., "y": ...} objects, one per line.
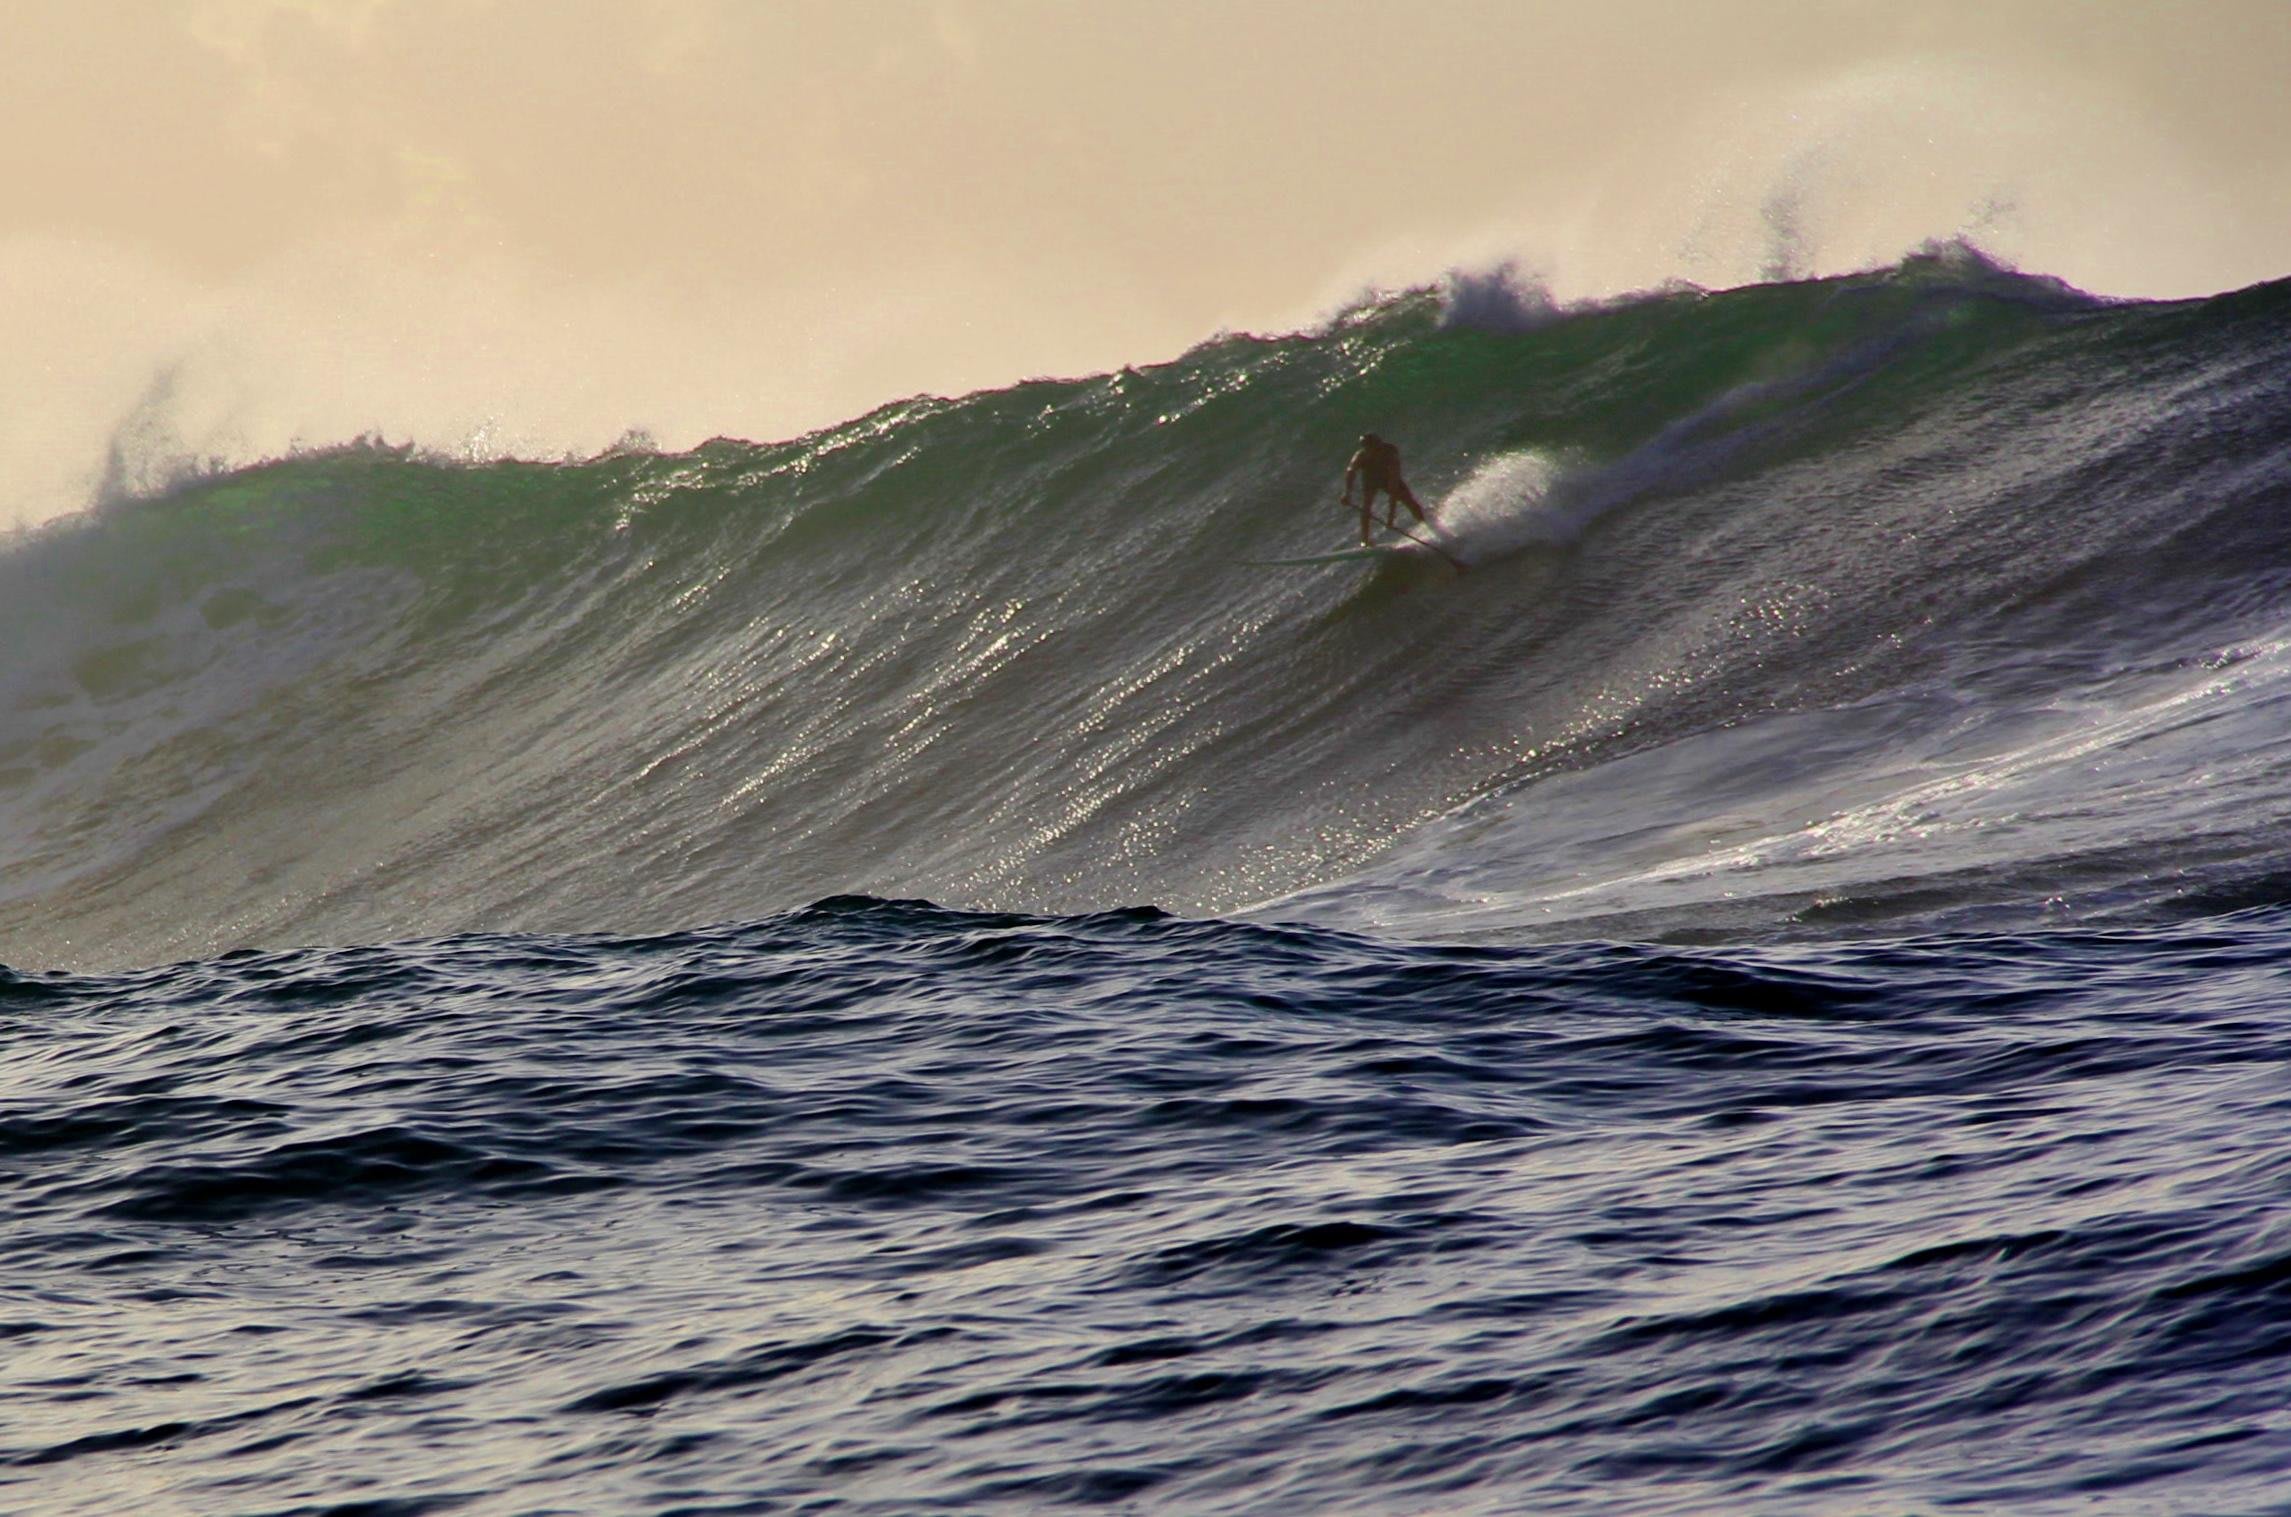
[{"x": 1370, "y": 440}]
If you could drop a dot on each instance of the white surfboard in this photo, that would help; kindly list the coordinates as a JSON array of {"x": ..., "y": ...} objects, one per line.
[{"x": 1343, "y": 556}]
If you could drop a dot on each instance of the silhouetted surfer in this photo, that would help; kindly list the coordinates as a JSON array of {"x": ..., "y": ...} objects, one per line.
[{"x": 1377, "y": 466}]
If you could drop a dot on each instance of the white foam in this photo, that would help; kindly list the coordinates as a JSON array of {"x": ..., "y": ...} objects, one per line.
[
  {"x": 1507, "y": 503},
  {"x": 1503, "y": 298}
]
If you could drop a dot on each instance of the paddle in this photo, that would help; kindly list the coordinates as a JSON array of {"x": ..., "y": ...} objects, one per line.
[{"x": 1454, "y": 562}]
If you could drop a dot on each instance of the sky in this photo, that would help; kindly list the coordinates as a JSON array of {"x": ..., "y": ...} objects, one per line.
[{"x": 236, "y": 227}]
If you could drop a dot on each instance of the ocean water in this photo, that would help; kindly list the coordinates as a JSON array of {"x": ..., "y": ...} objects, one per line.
[{"x": 904, "y": 970}]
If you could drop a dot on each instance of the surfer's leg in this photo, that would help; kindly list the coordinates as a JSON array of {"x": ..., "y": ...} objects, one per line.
[{"x": 1367, "y": 519}]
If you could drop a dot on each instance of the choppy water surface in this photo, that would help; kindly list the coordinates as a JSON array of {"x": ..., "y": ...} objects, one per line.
[{"x": 881, "y": 1207}]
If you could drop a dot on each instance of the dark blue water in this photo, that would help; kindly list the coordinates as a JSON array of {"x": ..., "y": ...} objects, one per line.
[{"x": 880, "y": 1207}]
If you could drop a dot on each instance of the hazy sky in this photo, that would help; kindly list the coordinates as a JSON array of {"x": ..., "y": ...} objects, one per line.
[{"x": 236, "y": 224}]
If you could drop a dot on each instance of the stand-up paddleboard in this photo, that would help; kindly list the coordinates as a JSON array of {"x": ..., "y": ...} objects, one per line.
[
  {"x": 1342, "y": 556},
  {"x": 1413, "y": 547},
  {"x": 1410, "y": 546}
]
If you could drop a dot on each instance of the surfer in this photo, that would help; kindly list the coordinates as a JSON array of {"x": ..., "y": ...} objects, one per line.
[{"x": 1377, "y": 466}]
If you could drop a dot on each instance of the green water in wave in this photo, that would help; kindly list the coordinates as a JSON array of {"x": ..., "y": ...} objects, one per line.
[{"x": 1003, "y": 650}]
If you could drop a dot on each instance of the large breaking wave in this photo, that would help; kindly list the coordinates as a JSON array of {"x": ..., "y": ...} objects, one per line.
[{"x": 1934, "y": 595}]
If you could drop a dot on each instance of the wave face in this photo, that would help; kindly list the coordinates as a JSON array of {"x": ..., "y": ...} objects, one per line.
[{"x": 1937, "y": 597}]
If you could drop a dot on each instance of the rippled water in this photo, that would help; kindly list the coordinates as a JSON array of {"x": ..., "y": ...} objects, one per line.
[{"x": 880, "y": 1207}]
